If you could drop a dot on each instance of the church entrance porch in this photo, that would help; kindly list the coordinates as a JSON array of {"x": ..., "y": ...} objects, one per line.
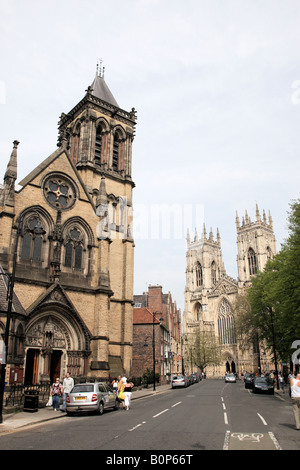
[
  {"x": 53, "y": 346},
  {"x": 230, "y": 367}
]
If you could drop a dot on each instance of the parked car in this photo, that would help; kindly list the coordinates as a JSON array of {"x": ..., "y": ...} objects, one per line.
[
  {"x": 249, "y": 381},
  {"x": 191, "y": 379},
  {"x": 263, "y": 384},
  {"x": 230, "y": 378},
  {"x": 91, "y": 397},
  {"x": 180, "y": 381},
  {"x": 196, "y": 377}
]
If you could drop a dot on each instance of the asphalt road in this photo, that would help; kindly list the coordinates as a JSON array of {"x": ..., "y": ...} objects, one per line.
[{"x": 210, "y": 415}]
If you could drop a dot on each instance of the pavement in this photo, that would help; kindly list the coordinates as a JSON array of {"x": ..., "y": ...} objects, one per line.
[{"x": 22, "y": 419}]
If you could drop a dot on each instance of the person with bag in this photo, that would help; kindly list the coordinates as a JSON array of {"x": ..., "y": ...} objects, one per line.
[
  {"x": 56, "y": 392},
  {"x": 128, "y": 394},
  {"x": 120, "y": 393}
]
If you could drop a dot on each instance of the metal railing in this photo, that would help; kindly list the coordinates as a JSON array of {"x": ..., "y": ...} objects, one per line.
[{"x": 14, "y": 394}]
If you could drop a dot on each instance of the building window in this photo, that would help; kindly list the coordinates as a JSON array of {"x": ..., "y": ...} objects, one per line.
[
  {"x": 198, "y": 311},
  {"x": 74, "y": 249},
  {"x": 115, "y": 162},
  {"x": 213, "y": 273},
  {"x": 199, "y": 275},
  {"x": 75, "y": 145},
  {"x": 32, "y": 239},
  {"x": 226, "y": 327},
  {"x": 59, "y": 191},
  {"x": 252, "y": 262},
  {"x": 98, "y": 145}
]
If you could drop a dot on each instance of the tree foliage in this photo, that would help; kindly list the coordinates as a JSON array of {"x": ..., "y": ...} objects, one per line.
[
  {"x": 275, "y": 293},
  {"x": 205, "y": 350}
]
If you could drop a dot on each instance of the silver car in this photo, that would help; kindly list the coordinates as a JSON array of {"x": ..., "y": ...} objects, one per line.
[
  {"x": 179, "y": 381},
  {"x": 230, "y": 378},
  {"x": 91, "y": 397}
]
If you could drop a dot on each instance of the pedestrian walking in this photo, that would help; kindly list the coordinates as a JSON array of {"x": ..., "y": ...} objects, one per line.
[
  {"x": 115, "y": 385},
  {"x": 295, "y": 395},
  {"x": 281, "y": 381},
  {"x": 128, "y": 394},
  {"x": 56, "y": 392},
  {"x": 68, "y": 384},
  {"x": 121, "y": 395}
]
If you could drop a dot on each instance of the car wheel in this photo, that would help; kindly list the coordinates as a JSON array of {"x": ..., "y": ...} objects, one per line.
[{"x": 101, "y": 408}]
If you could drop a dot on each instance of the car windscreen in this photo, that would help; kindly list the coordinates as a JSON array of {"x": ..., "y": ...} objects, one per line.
[{"x": 83, "y": 388}]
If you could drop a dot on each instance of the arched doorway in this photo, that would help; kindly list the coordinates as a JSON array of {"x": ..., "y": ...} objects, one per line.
[
  {"x": 230, "y": 365},
  {"x": 53, "y": 345}
]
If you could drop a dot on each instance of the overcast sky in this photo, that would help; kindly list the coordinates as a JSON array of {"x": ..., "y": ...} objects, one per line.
[{"x": 216, "y": 86}]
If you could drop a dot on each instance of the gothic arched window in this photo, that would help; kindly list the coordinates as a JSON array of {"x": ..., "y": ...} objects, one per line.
[
  {"x": 252, "y": 262},
  {"x": 74, "y": 249},
  {"x": 33, "y": 233},
  {"x": 198, "y": 312},
  {"x": 98, "y": 145},
  {"x": 213, "y": 273},
  {"x": 75, "y": 144},
  {"x": 199, "y": 275},
  {"x": 226, "y": 327},
  {"x": 115, "y": 161}
]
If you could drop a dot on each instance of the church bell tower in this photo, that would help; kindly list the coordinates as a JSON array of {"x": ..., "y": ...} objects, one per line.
[{"x": 256, "y": 244}]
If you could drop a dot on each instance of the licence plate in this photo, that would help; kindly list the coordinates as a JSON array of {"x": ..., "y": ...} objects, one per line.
[{"x": 80, "y": 398}]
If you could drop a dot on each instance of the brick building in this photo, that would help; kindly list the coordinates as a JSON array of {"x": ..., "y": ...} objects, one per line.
[
  {"x": 156, "y": 311},
  {"x": 71, "y": 217}
]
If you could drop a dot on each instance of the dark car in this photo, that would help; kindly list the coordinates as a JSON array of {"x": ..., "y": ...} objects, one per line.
[
  {"x": 263, "y": 384},
  {"x": 249, "y": 381},
  {"x": 196, "y": 377}
]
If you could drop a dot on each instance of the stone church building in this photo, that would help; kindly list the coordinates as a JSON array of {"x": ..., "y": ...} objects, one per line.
[
  {"x": 210, "y": 294},
  {"x": 67, "y": 226}
]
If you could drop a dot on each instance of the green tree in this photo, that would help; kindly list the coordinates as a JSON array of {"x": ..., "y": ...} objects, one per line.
[
  {"x": 205, "y": 350},
  {"x": 275, "y": 293}
]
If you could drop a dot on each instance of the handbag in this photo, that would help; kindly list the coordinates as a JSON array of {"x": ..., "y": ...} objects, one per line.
[
  {"x": 121, "y": 395},
  {"x": 49, "y": 402}
]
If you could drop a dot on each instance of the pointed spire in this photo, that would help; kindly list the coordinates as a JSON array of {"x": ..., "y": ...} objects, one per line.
[
  {"x": 196, "y": 236},
  {"x": 218, "y": 237},
  {"x": 8, "y": 196},
  {"x": 264, "y": 217},
  {"x": 102, "y": 196},
  {"x": 99, "y": 87},
  {"x": 237, "y": 220},
  {"x": 204, "y": 232},
  {"x": 270, "y": 220},
  {"x": 258, "y": 219},
  {"x": 188, "y": 240},
  {"x": 211, "y": 236},
  {"x": 246, "y": 217},
  {"x": 11, "y": 170}
]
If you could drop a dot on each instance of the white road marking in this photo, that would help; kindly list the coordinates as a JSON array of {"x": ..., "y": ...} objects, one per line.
[
  {"x": 158, "y": 414},
  {"x": 276, "y": 443},
  {"x": 173, "y": 406},
  {"x": 264, "y": 422}
]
